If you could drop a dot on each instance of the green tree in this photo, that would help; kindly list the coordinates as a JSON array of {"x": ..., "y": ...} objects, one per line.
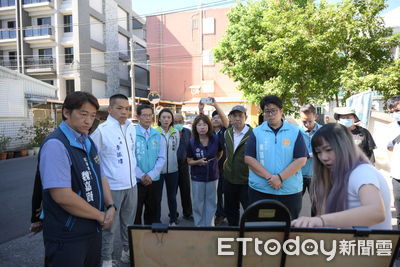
[{"x": 309, "y": 52}]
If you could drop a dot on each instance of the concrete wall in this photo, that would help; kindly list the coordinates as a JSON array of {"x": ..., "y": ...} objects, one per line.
[
  {"x": 96, "y": 30},
  {"x": 112, "y": 46},
  {"x": 379, "y": 128},
  {"x": 97, "y": 60},
  {"x": 98, "y": 88},
  {"x": 82, "y": 41},
  {"x": 96, "y": 5}
]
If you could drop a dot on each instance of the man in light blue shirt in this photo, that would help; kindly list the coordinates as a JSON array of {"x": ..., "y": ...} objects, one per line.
[
  {"x": 150, "y": 152},
  {"x": 275, "y": 154}
]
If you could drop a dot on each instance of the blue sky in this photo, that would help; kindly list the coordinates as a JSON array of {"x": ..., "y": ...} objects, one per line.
[{"x": 148, "y": 7}]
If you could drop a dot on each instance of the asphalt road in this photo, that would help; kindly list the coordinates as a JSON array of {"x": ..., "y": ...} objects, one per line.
[
  {"x": 17, "y": 246},
  {"x": 16, "y": 184}
]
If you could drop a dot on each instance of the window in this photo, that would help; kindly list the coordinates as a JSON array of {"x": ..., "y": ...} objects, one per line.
[
  {"x": 69, "y": 86},
  {"x": 142, "y": 76},
  {"x": 45, "y": 56},
  {"x": 69, "y": 55},
  {"x": 46, "y": 52},
  {"x": 136, "y": 25},
  {"x": 208, "y": 58},
  {"x": 195, "y": 24},
  {"x": 122, "y": 18},
  {"x": 140, "y": 54},
  {"x": 11, "y": 24},
  {"x": 208, "y": 26},
  {"x": 48, "y": 81},
  {"x": 44, "y": 21},
  {"x": 12, "y": 56},
  {"x": 68, "y": 23}
]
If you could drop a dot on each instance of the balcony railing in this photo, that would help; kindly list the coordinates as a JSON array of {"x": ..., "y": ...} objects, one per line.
[
  {"x": 27, "y": 2},
  {"x": 38, "y": 31},
  {"x": 11, "y": 64},
  {"x": 6, "y": 3},
  {"x": 8, "y": 34},
  {"x": 40, "y": 62}
]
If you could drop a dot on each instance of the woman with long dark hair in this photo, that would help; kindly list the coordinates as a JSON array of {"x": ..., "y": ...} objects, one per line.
[
  {"x": 346, "y": 189},
  {"x": 203, "y": 153},
  {"x": 169, "y": 173}
]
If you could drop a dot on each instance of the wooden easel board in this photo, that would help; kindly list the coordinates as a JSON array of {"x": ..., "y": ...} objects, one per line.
[{"x": 199, "y": 247}]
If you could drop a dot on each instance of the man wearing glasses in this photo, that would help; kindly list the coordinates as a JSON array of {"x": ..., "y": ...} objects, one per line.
[
  {"x": 150, "y": 152},
  {"x": 393, "y": 105},
  {"x": 275, "y": 153}
]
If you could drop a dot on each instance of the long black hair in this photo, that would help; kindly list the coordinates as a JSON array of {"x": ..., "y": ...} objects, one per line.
[{"x": 329, "y": 187}]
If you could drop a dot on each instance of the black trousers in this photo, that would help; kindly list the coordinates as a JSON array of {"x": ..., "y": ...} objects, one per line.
[
  {"x": 234, "y": 195},
  {"x": 79, "y": 253},
  {"x": 220, "y": 196},
  {"x": 292, "y": 202},
  {"x": 149, "y": 198},
  {"x": 306, "y": 184},
  {"x": 184, "y": 187}
]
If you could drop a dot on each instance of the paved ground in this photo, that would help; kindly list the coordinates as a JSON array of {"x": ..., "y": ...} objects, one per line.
[{"x": 20, "y": 248}]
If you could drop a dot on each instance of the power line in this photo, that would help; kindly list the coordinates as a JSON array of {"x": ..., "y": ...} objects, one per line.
[
  {"x": 190, "y": 8},
  {"x": 124, "y": 19}
]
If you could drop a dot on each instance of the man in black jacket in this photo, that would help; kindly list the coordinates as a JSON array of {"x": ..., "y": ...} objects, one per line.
[
  {"x": 183, "y": 167},
  {"x": 362, "y": 137}
]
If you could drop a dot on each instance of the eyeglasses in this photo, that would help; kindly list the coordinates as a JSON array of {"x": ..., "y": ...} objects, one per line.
[
  {"x": 394, "y": 111},
  {"x": 271, "y": 111}
]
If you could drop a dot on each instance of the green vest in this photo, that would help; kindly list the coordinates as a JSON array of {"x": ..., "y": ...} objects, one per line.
[{"x": 236, "y": 170}]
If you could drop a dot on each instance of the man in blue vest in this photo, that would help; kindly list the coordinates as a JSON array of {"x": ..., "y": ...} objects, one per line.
[
  {"x": 308, "y": 128},
  {"x": 275, "y": 153},
  {"x": 77, "y": 202},
  {"x": 150, "y": 152}
]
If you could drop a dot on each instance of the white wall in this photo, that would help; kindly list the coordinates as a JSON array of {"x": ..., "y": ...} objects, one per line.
[
  {"x": 123, "y": 71},
  {"x": 98, "y": 88},
  {"x": 96, "y": 5},
  {"x": 97, "y": 58},
  {"x": 123, "y": 44},
  {"x": 96, "y": 30},
  {"x": 122, "y": 18},
  {"x": 12, "y": 102}
]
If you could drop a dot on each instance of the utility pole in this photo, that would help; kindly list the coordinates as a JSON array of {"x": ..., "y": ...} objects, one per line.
[{"x": 132, "y": 75}]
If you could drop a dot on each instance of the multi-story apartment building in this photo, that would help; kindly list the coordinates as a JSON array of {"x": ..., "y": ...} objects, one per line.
[
  {"x": 182, "y": 65},
  {"x": 75, "y": 45}
]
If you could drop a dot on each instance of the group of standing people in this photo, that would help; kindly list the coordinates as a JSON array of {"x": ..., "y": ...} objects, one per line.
[{"x": 116, "y": 176}]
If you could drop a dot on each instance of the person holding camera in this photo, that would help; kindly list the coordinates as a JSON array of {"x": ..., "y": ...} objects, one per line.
[
  {"x": 203, "y": 152},
  {"x": 219, "y": 123}
]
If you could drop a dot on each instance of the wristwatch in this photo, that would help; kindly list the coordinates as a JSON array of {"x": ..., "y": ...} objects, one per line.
[{"x": 112, "y": 205}]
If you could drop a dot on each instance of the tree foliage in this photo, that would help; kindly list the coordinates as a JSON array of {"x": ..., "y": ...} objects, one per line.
[{"x": 308, "y": 52}]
